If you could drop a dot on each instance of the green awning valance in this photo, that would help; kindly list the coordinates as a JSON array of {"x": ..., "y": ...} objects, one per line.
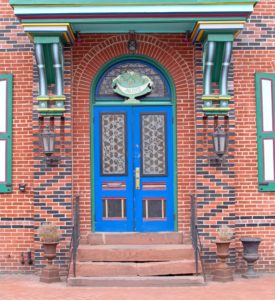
[{"x": 104, "y": 16}]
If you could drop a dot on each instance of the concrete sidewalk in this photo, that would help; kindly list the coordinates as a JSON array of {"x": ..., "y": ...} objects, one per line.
[{"x": 28, "y": 287}]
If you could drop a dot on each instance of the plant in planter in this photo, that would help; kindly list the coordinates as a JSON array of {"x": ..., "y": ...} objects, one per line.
[
  {"x": 50, "y": 236},
  {"x": 225, "y": 233},
  {"x": 223, "y": 272}
]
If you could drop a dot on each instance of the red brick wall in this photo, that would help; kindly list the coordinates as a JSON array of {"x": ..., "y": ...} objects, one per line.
[
  {"x": 227, "y": 194},
  {"x": 215, "y": 182},
  {"x": 16, "y": 209},
  {"x": 175, "y": 53},
  {"x": 48, "y": 196},
  {"x": 255, "y": 211}
]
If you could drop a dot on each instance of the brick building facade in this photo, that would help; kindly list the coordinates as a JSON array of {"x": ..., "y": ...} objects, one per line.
[{"x": 227, "y": 193}]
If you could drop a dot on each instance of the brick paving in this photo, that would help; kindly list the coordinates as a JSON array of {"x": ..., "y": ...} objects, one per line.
[{"x": 28, "y": 287}]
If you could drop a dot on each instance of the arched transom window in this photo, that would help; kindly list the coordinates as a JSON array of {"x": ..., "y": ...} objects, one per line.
[{"x": 159, "y": 89}]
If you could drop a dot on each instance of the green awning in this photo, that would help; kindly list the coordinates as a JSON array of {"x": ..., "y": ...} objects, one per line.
[{"x": 109, "y": 16}]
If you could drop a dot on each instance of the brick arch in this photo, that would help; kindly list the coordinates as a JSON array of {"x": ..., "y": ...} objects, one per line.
[
  {"x": 176, "y": 55},
  {"x": 117, "y": 45}
]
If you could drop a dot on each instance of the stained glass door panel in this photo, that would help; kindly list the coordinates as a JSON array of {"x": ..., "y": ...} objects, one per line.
[{"x": 133, "y": 169}]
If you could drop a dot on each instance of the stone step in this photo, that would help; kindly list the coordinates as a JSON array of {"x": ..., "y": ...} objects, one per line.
[
  {"x": 98, "y": 269},
  {"x": 128, "y": 253},
  {"x": 135, "y": 238},
  {"x": 163, "y": 281}
]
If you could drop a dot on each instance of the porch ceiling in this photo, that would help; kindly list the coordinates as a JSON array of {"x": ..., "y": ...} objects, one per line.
[{"x": 102, "y": 16}]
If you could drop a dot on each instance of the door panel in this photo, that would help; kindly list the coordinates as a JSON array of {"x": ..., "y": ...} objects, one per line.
[
  {"x": 112, "y": 169},
  {"x": 153, "y": 154},
  {"x": 133, "y": 155}
]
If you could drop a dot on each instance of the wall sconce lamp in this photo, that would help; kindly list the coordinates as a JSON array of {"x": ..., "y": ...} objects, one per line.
[
  {"x": 220, "y": 143},
  {"x": 47, "y": 138},
  {"x": 132, "y": 42}
]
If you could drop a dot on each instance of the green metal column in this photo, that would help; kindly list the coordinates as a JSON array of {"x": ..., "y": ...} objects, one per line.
[
  {"x": 209, "y": 62},
  {"x": 40, "y": 60}
]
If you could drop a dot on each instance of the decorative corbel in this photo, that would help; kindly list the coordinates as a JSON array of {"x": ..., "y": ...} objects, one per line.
[
  {"x": 49, "y": 40},
  {"x": 217, "y": 38}
]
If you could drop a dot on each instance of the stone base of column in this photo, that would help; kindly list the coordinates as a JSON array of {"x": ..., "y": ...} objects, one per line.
[
  {"x": 223, "y": 273},
  {"x": 50, "y": 274}
]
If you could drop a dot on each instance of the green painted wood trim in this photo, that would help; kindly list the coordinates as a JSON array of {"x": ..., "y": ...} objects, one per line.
[
  {"x": 141, "y": 25},
  {"x": 63, "y": 36},
  {"x": 131, "y": 21},
  {"x": 126, "y": 30},
  {"x": 215, "y": 114},
  {"x": 261, "y": 135},
  {"x": 216, "y": 109},
  {"x": 54, "y": 10},
  {"x": 218, "y": 61},
  {"x": 48, "y": 56},
  {"x": 94, "y": 103},
  {"x": 128, "y": 2},
  {"x": 152, "y": 100},
  {"x": 225, "y": 32},
  {"x": 7, "y": 187},
  {"x": 113, "y": 103},
  {"x": 46, "y": 39},
  {"x": 220, "y": 37}
]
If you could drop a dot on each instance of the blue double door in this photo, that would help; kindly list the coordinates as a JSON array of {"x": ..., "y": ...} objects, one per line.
[{"x": 133, "y": 169}]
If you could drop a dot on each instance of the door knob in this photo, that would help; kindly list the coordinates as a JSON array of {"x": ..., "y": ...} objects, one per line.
[{"x": 137, "y": 178}]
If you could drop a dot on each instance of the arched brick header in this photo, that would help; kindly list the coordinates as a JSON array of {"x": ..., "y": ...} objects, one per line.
[
  {"x": 176, "y": 55},
  {"x": 115, "y": 46}
]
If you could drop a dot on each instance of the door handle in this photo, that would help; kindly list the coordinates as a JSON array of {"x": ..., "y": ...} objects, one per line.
[{"x": 137, "y": 178}]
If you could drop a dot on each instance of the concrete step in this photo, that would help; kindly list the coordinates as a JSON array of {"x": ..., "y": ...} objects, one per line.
[
  {"x": 163, "y": 281},
  {"x": 98, "y": 269},
  {"x": 135, "y": 238},
  {"x": 136, "y": 253}
]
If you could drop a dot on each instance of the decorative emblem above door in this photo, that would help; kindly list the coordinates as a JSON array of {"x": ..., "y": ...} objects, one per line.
[{"x": 132, "y": 85}]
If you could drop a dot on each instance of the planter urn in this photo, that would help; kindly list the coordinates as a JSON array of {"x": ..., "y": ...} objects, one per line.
[
  {"x": 51, "y": 272},
  {"x": 222, "y": 272},
  {"x": 250, "y": 255}
]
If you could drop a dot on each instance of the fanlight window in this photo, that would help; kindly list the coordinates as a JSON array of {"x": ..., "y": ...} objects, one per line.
[{"x": 160, "y": 90}]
